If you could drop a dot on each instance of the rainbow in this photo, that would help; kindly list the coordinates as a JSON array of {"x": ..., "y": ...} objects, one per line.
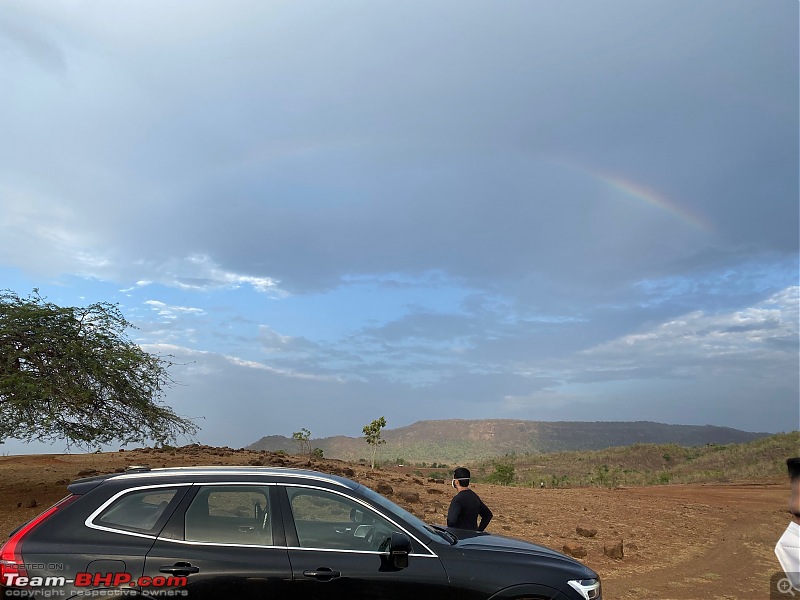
[
  {"x": 643, "y": 194},
  {"x": 640, "y": 193}
]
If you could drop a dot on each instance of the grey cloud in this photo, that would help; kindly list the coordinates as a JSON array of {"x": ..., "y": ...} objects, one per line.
[
  {"x": 447, "y": 164},
  {"x": 32, "y": 42}
]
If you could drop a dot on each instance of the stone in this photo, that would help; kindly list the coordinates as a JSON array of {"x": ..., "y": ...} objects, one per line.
[
  {"x": 585, "y": 531},
  {"x": 575, "y": 551},
  {"x": 614, "y": 551},
  {"x": 410, "y": 497},
  {"x": 434, "y": 491},
  {"x": 384, "y": 488}
]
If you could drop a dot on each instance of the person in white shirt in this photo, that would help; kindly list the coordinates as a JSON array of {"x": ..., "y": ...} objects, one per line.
[{"x": 788, "y": 547}]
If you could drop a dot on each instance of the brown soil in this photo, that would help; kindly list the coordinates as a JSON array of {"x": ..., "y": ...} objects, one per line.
[{"x": 682, "y": 542}]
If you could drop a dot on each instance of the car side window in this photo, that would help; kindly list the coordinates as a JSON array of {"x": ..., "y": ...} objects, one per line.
[
  {"x": 329, "y": 521},
  {"x": 238, "y": 515},
  {"x": 137, "y": 511}
]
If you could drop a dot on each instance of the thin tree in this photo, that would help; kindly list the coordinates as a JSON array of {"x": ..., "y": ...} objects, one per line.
[
  {"x": 303, "y": 438},
  {"x": 372, "y": 434},
  {"x": 71, "y": 373}
]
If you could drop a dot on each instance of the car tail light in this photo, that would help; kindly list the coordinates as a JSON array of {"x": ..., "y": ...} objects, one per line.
[{"x": 11, "y": 553}]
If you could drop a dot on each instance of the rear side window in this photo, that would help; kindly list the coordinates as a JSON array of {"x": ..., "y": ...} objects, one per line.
[
  {"x": 238, "y": 515},
  {"x": 137, "y": 511}
]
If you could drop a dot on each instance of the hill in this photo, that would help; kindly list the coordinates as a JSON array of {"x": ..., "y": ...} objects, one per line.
[
  {"x": 647, "y": 464},
  {"x": 457, "y": 440}
]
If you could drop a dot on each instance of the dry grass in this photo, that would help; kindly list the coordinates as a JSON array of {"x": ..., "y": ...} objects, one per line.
[{"x": 650, "y": 464}]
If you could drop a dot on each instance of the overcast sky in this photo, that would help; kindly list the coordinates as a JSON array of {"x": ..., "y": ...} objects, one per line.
[{"x": 333, "y": 211}]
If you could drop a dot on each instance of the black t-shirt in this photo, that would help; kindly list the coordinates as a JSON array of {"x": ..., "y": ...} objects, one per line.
[{"x": 465, "y": 508}]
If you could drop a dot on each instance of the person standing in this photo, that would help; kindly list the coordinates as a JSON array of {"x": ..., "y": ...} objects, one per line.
[
  {"x": 788, "y": 547},
  {"x": 466, "y": 506}
]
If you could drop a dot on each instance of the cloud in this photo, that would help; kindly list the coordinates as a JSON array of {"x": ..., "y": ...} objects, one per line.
[
  {"x": 748, "y": 335},
  {"x": 519, "y": 208},
  {"x": 171, "y": 312}
]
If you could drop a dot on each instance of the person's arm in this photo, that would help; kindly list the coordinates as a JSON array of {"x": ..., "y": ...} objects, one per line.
[
  {"x": 486, "y": 516},
  {"x": 453, "y": 512}
]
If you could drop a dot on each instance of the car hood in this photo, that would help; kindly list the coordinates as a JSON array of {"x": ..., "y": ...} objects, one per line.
[{"x": 474, "y": 540}]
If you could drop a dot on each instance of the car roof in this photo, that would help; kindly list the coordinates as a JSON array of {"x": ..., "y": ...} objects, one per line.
[{"x": 209, "y": 473}]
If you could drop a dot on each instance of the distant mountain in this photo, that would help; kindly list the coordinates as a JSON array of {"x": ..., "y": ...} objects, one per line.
[{"x": 456, "y": 440}]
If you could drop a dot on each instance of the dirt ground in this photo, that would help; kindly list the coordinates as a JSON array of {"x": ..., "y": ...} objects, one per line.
[{"x": 681, "y": 542}]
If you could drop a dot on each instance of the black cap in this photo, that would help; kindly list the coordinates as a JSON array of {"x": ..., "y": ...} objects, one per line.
[
  {"x": 461, "y": 473},
  {"x": 793, "y": 464}
]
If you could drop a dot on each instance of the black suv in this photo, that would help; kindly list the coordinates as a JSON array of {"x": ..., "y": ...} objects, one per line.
[{"x": 259, "y": 532}]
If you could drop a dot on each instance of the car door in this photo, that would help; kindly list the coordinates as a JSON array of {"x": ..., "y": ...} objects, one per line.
[
  {"x": 338, "y": 548},
  {"x": 227, "y": 542}
]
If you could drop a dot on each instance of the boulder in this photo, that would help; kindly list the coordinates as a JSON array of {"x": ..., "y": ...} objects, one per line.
[
  {"x": 410, "y": 497},
  {"x": 585, "y": 531},
  {"x": 384, "y": 488},
  {"x": 575, "y": 551},
  {"x": 614, "y": 551}
]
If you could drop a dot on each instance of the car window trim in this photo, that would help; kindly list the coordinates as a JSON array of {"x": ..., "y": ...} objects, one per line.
[
  {"x": 89, "y": 520},
  {"x": 104, "y": 505}
]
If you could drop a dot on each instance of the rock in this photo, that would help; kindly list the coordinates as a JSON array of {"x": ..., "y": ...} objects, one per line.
[
  {"x": 348, "y": 472},
  {"x": 384, "y": 488},
  {"x": 435, "y": 480},
  {"x": 575, "y": 551},
  {"x": 633, "y": 547},
  {"x": 434, "y": 491},
  {"x": 410, "y": 497},
  {"x": 417, "y": 481},
  {"x": 31, "y": 503},
  {"x": 507, "y": 527},
  {"x": 614, "y": 551},
  {"x": 585, "y": 531},
  {"x": 87, "y": 472}
]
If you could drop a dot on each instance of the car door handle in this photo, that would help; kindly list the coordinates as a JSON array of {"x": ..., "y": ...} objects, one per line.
[
  {"x": 179, "y": 568},
  {"x": 323, "y": 574}
]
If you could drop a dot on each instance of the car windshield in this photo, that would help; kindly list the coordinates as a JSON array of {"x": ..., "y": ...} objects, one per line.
[{"x": 401, "y": 512}]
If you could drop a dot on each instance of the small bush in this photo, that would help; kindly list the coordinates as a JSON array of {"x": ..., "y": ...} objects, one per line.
[{"x": 503, "y": 474}]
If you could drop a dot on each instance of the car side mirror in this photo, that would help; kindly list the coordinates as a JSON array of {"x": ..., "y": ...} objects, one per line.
[
  {"x": 399, "y": 550},
  {"x": 356, "y": 515}
]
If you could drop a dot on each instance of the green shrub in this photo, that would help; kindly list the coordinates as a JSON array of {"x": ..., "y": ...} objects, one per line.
[{"x": 503, "y": 474}]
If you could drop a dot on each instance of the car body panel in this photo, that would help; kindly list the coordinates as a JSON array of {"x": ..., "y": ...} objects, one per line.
[{"x": 271, "y": 561}]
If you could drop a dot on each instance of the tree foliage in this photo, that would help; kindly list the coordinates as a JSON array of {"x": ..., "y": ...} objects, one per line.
[
  {"x": 503, "y": 473},
  {"x": 303, "y": 438},
  {"x": 372, "y": 434},
  {"x": 71, "y": 373}
]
